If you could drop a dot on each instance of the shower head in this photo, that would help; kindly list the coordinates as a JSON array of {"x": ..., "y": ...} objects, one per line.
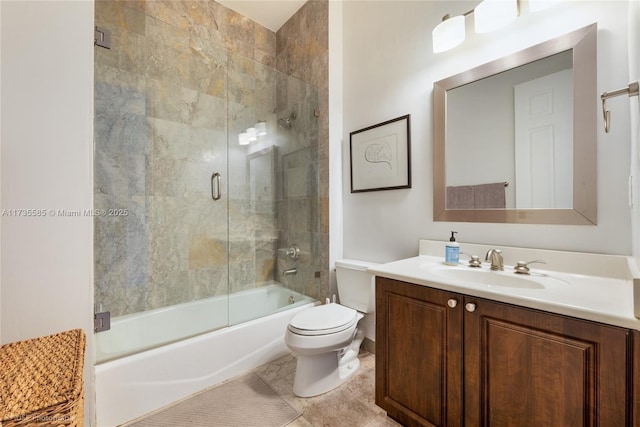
[{"x": 286, "y": 123}]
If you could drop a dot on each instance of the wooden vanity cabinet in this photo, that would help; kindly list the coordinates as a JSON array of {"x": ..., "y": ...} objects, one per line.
[
  {"x": 526, "y": 367},
  {"x": 635, "y": 379},
  {"x": 419, "y": 354},
  {"x": 478, "y": 362}
]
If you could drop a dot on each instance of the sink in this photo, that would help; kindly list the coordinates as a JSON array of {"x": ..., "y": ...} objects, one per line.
[{"x": 486, "y": 277}]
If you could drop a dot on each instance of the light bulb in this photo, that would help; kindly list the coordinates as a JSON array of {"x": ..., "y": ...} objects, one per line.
[
  {"x": 243, "y": 138},
  {"x": 448, "y": 34},
  {"x": 261, "y": 128},
  {"x": 251, "y": 132},
  {"x": 491, "y": 15},
  {"x": 538, "y": 5}
]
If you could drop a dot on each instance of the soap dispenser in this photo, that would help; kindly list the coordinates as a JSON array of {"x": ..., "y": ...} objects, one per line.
[{"x": 452, "y": 250}]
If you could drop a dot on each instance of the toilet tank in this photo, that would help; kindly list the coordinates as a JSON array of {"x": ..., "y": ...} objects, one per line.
[{"x": 356, "y": 287}]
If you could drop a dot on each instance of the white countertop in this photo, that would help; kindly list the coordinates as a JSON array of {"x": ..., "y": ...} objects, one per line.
[{"x": 605, "y": 298}]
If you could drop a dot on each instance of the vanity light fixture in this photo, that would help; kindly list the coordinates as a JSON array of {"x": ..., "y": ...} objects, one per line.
[
  {"x": 538, "y": 5},
  {"x": 261, "y": 128},
  {"x": 243, "y": 138},
  {"x": 449, "y": 33},
  {"x": 489, "y": 15},
  {"x": 252, "y": 133}
]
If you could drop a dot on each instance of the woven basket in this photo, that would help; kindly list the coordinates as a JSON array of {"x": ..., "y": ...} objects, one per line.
[{"x": 41, "y": 381}]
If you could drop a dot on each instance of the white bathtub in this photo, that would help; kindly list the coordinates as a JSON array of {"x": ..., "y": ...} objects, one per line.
[{"x": 131, "y": 386}]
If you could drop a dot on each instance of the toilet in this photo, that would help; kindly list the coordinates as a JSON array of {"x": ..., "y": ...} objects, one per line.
[{"x": 326, "y": 338}]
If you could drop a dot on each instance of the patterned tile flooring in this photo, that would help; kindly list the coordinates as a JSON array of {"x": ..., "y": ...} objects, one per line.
[{"x": 350, "y": 405}]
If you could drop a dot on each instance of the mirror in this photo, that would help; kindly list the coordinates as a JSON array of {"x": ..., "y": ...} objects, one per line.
[{"x": 515, "y": 139}]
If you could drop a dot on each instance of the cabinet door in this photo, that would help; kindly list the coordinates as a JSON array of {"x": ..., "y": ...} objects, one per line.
[
  {"x": 635, "y": 380},
  {"x": 418, "y": 354},
  {"x": 524, "y": 367}
]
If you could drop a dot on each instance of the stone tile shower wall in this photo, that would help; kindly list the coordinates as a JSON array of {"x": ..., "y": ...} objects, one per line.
[{"x": 180, "y": 78}]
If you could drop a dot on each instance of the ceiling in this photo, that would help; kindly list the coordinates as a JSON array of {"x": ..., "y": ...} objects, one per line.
[{"x": 271, "y": 14}]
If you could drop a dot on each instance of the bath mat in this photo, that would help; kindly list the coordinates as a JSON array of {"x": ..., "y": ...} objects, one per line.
[{"x": 244, "y": 402}]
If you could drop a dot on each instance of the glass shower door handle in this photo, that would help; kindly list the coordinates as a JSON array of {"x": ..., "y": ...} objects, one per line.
[{"x": 215, "y": 186}]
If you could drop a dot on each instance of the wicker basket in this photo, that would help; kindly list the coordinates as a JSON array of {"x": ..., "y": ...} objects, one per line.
[{"x": 41, "y": 381}]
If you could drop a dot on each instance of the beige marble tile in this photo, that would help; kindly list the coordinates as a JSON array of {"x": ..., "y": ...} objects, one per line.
[
  {"x": 208, "y": 72},
  {"x": 172, "y": 12},
  {"x": 205, "y": 283},
  {"x": 205, "y": 252},
  {"x": 167, "y": 35},
  {"x": 338, "y": 408},
  {"x": 343, "y": 406},
  {"x": 196, "y": 66},
  {"x": 138, "y": 5},
  {"x": 117, "y": 15},
  {"x": 382, "y": 420},
  {"x": 348, "y": 405}
]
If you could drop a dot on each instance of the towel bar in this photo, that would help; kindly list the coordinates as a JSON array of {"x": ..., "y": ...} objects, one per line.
[{"x": 632, "y": 90}]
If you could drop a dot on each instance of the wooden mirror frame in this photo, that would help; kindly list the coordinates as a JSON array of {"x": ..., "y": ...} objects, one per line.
[{"x": 583, "y": 42}]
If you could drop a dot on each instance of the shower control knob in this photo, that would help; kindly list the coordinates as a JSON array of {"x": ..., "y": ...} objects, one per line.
[
  {"x": 452, "y": 303},
  {"x": 471, "y": 307},
  {"x": 293, "y": 252}
]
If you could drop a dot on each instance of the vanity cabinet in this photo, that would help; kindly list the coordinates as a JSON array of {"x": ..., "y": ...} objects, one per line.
[
  {"x": 635, "y": 379},
  {"x": 447, "y": 359},
  {"x": 419, "y": 354}
]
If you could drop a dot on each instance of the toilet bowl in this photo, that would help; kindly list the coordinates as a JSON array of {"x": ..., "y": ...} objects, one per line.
[{"x": 326, "y": 338}]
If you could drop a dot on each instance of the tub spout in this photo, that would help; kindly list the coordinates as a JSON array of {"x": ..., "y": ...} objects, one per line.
[{"x": 290, "y": 271}]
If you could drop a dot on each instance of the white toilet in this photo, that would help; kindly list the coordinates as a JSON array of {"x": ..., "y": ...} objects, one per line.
[{"x": 326, "y": 338}]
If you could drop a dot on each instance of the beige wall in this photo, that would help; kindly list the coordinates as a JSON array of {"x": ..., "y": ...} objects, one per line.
[{"x": 47, "y": 133}]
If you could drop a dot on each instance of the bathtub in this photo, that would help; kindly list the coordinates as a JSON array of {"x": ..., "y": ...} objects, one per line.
[{"x": 135, "y": 384}]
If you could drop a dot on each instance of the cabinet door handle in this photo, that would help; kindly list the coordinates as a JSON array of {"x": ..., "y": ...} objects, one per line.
[
  {"x": 452, "y": 303},
  {"x": 471, "y": 307}
]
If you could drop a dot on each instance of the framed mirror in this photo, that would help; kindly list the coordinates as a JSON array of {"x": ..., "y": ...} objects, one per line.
[{"x": 515, "y": 139}]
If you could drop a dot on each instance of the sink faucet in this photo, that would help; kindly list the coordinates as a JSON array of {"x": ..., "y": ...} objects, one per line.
[{"x": 494, "y": 255}]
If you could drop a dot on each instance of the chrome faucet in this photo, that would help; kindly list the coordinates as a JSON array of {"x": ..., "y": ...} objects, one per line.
[
  {"x": 293, "y": 270},
  {"x": 495, "y": 256}
]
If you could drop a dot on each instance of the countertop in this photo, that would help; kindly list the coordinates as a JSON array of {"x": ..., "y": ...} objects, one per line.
[{"x": 605, "y": 298}]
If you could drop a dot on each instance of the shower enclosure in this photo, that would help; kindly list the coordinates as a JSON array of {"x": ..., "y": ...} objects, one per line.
[{"x": 206, "y": 177}]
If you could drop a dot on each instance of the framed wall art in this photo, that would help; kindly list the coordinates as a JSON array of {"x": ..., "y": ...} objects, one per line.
[{"x": 381, "y": 156}]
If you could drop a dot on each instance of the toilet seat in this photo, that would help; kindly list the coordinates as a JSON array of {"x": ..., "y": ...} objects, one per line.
[{"x": 323, "y": 320}]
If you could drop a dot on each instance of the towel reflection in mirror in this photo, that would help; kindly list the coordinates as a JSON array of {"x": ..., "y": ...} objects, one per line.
[{"x": 480, "y": 196}]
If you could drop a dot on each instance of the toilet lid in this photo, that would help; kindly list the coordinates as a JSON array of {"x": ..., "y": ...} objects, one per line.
[{"x": 323, "y": 319}]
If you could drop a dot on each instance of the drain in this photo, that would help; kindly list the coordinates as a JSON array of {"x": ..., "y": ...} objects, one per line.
[{"x": 292, "y": 299}]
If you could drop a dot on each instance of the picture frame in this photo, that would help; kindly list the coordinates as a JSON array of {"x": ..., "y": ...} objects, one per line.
[{"x": 381, "y": 156}]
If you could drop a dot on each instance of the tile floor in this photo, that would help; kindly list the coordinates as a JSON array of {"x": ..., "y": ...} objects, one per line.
[{"x": 350, "y": 405}]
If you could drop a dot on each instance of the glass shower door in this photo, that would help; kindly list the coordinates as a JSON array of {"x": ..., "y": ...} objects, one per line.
[
  {"x": 207, "y": 217},
  {"x": 160, "y": 134},
  {"x": 273, "y": 196}
]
